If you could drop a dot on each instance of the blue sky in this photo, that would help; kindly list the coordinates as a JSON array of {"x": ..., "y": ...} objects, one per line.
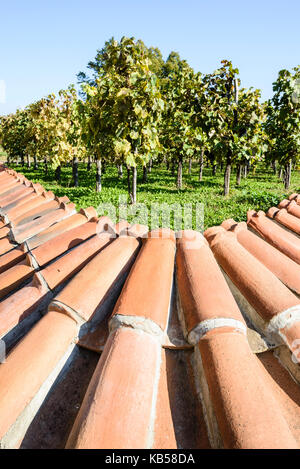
[{"x": 44, "y": 43}]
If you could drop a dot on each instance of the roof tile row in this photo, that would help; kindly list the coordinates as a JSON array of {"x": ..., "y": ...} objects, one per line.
[{"x": 71, "y": 282}]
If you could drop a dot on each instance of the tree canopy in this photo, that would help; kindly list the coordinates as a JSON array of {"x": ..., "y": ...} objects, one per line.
[{"x": 134, "y": 108}]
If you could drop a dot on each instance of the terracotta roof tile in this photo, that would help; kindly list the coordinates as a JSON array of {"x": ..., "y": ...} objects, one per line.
[
  {"x": 204, "y": 297},
  {"x": 121, "y": 227},
  {"x": 137, "y": 230},
  {"x": 69, "y": 264},
  {"x": 285, "y": 218},
  {"x": 6, "y": 245},
  {"x": 27, "y": 371},
  {"x": 39, "y": 211},
  {"x": 293, "y": 208},
  {"x": 130, "y": 358},
  {"x": 30, "y": 206},
  {"x": 272, "y": 301},
  {"x": 147, "y": 291},
  {"x": 282, "y": 240},
  {"x": 165, "y": 340},
  {"x": 17, "y": 307},
  {"x": 16, "y": 275},
  {"x": 62, "y": 226},
  {"x": 7, "y": 209},
  {"x": 83, "y": 296},
  {"x": 4, "y": 232},
  {"x": 244, "y": 404},
  {"x": 282, "y": 266},
  {"x": 8, "y": 187},
  {"x": 18, "y": 194},
  {"x": 64, "y": 242},
  {"x": 293, "y": 196},
  {"x": 25, "y": 231},
  {"x": 12, "y": 257},
  {"x": 179, "y": 420}
]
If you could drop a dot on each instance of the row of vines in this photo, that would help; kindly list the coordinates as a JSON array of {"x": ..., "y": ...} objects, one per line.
[{"x": 133, "y": 109}]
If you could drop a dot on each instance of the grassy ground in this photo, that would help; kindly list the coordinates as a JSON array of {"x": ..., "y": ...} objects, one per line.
[{"x": 258, "y": 191}]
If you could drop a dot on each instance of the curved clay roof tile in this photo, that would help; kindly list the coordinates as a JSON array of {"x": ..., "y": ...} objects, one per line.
[{"x": 78, "y": 280}]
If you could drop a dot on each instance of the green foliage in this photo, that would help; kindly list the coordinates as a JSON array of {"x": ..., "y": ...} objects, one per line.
[
  {"x": 13, "y": 133},
  {"x": 179, "y": 135},
  {"x": 283, "y": 118},
  {"x": 124, "y": 104},
  {"x": 263, "y": 199},
  {"x": 259, "y": 191},
  {"x": 234, "y": 117},
  {"x": 49, "y": 128},
  {"x": 134, "y": 107}
]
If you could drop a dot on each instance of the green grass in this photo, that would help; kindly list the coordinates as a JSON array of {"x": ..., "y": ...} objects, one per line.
[{"x": 258, "y": 191}]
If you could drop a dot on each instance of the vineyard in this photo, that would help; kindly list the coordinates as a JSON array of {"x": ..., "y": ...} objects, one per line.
[
  {"x": 143, "y": 125},
  {"x": 150, "y": 229},
  {"x": 258, "y": 191}
]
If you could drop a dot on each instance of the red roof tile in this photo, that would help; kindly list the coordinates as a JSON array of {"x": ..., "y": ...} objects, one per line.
[
  {"x": 25, "y": 372},
  {"x": 30, "y": 206},
  {"x": 282, "y": 266},
  {"x": 282, "y": 240},
  {"x": 204, "y": 297},
  {"x": 267, "y": 295},
  {"x": 284, "y": 218},
  {"x": 130, "y": 358},
  {"x": 83, "y": 296},
  {"x": 73, "y": 287},
  {"x": 12, "y": 257},
  {"x": 147, "y": 291},
  {"x": 246, "y": 410}
]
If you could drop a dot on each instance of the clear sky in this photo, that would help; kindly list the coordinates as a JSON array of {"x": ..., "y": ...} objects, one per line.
[{"x": 45, "y": 43}]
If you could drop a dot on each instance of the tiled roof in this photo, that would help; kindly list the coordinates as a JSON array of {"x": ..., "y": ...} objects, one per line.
[{"x": 121, "y": 338}]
